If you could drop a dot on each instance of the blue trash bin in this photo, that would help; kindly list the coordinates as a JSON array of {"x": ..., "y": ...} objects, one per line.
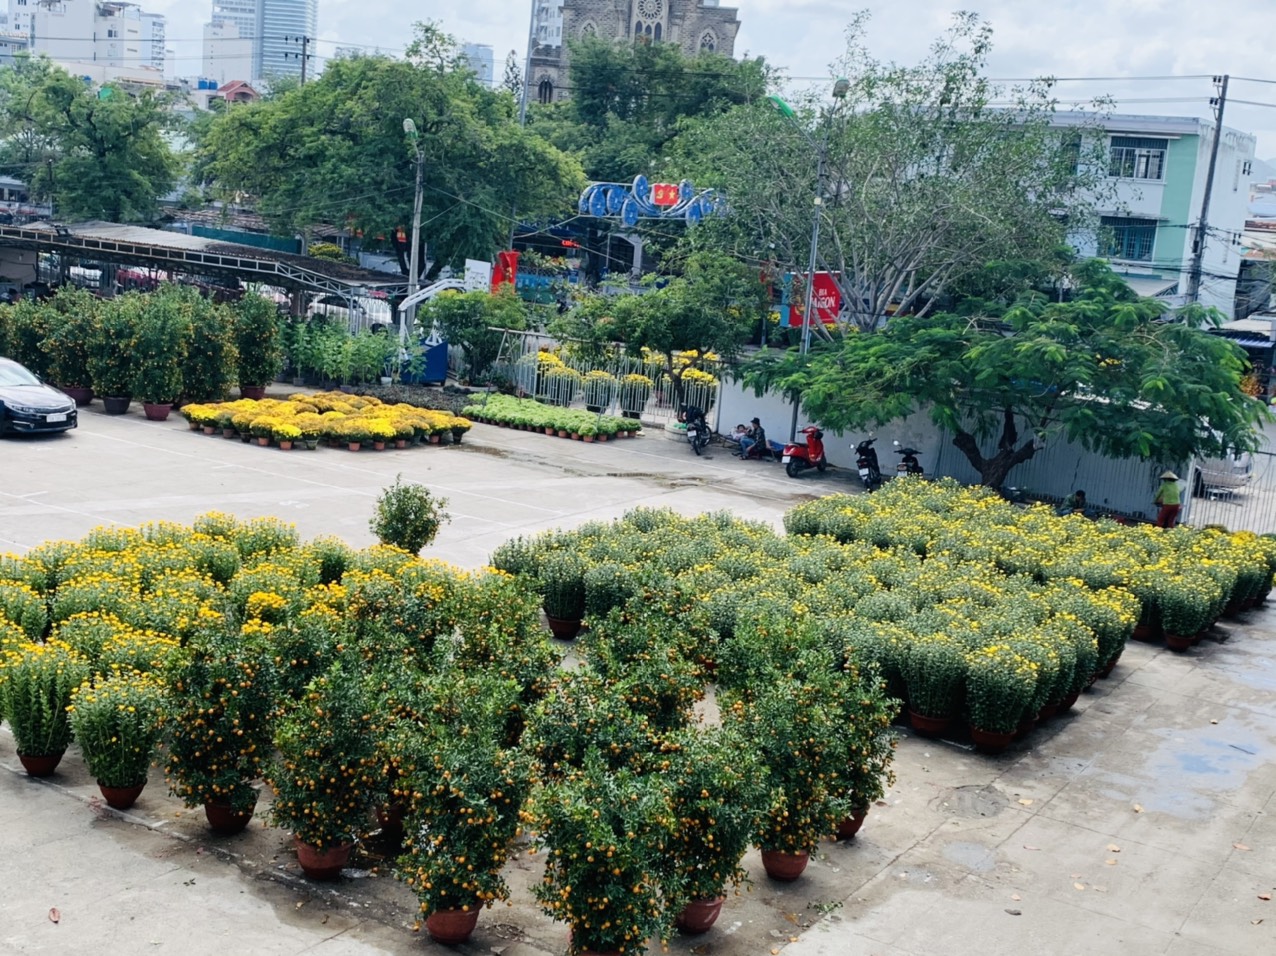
[{"x": 433, "y": 370}]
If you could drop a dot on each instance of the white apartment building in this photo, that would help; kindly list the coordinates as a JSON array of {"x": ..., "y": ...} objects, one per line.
[
  {"x": 89, "y": 31},
  {"x": 20, "y": 13},
  {"x": 227, "y": 55},
  {"x": 547, "y": 23},
  {"x": 245, "y": 17},
  {"x": 1158, "y": 166},
  {"x": 153, "y": 36}
]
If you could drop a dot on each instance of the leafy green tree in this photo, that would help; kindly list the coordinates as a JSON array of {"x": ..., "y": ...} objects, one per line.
[
  {"x": 334, "y": 151},
  {"x": 629, "y": 101},
  {"x": 1108, "y": 370},
  {"x": 95, "y": 153},
  {"x": 928, "y": 176},
  {"x": 711, "y": 308},
  {"x": 473, "y": 320}
]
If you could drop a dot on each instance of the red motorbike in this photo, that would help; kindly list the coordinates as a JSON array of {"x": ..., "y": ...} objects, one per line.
[{"x": 797, "y": 457}]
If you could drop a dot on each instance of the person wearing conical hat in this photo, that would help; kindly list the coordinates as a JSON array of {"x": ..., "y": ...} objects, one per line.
[{"x": 1168, "y": 499}]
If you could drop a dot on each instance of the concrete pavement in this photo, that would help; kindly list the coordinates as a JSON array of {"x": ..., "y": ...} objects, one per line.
[{"x": 1142, "y": 822}]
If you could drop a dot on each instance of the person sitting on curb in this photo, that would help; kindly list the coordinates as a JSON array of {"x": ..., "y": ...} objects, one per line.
[{"x": 755, "y": 436}]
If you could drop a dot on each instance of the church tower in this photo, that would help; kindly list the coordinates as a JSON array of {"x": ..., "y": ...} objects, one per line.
[{"x": 694, "y": 25}]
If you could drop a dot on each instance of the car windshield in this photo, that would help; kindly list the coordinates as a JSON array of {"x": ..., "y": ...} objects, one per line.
[{"x": 13, "y": 374}]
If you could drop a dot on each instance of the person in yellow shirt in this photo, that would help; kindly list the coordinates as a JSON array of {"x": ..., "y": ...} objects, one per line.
[{"x": 1169, "y": 500}]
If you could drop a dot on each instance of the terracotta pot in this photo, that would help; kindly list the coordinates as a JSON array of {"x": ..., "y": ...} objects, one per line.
[
  {"x": 784, "y": 866},
  {"x": 378, "y": 446},
  {"x": 1199, "y": 636},
  {"x": 195, "y": 426},
  {"x": 157, "y": 411},
  {"x": 562, "y": 627},
  {"x": 1106, "y": 669},
  {"x": 450, "y": 927},
  {"x": 1233, "y": 608},
  {"x": 562, "y": 433},
  {"x": 1048, "y": 711},
  {"x": 390, "y": 820},
  {"x": 1069, "y": 702},
  {"x": 698, "y": 916},
  {"x": 229, "y": 433},
  {"x": 121, "y": 798},
  {"x": 82, "y": 396},
  {"x": 550, "y": 431},
  {"x": 928, "y": 726},
  {"x": 589, "y": 439},
  {"x": 285, "y": 446},
  {"x": 1145, "y": 632},
  {"x": 116, "y": 404},
  {"x": 1178, "y": 642},
  {"x": 602, "y": 437},
  {"x": 254, "y": 392},
  {"x": 991, "y": 741},
  {"x": 322, "y": 864},
  {"x": 400, "y": 443},
  {"x": 575, "y": 436},
  {"x": 41, "y": 765},
  {"x": 354, "y": 445},
  {"x": 435, "y": 438},
  {"x": 847, "y": 829},
  {"x": 263, "y": 441},
  {"x": 210, "y": 430},
  {"x": 226, "y": 820}
]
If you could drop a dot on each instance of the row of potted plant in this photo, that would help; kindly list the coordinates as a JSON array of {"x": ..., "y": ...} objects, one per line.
[
  {"x": 529, "y": 415},
  {"x": 355, "y": 682},
  {"x": 161, "y": 347},
  {"x": 339, "y": 419},
  {"x": 1185, "y": 578},
  {"x": 926, "y": 624}
]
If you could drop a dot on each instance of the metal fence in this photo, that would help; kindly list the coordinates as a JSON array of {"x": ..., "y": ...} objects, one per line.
[{"x": 623, "y": 384}]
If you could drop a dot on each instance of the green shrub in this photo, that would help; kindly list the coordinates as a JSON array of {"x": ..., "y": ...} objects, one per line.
[
  {"x": 257, "y": 340},
  {"x": 408, "y": 516}
]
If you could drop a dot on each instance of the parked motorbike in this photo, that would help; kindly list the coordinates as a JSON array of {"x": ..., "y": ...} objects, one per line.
[
  {"x": 698, "y": 435},
  {"x": 908, "y": 464},
  {"x": 797, "y": 457},
  {"x": 866, "y": 462}
]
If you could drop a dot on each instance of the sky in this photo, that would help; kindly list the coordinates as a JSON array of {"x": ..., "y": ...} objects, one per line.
[{"x": 1120, "y": 39}]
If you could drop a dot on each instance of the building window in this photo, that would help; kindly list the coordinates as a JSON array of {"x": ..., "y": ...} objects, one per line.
[
  {"x": 545, "y": 91},
  {"x": 657, "y": 32},
  {"x": 708, "y": 42},
  {"x": 1137, "y": 157},
  {"x": 1127, "y": 238}
]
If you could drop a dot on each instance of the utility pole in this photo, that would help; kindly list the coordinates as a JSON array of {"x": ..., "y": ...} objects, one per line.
[
  {"x": 414, "y": 256},
  {"x": 1219, "y": 103},
  {"x": 305, "y": 57}
]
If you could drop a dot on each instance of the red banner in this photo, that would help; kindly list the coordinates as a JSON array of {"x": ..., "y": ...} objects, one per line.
[
  {"x": 665, "y": 194},
  {"x": 826, "y": 298},
  {"x": 505, "y": 269}
]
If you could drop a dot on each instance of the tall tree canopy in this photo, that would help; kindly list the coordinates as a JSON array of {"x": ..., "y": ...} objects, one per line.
[
  {"x": 928, "y": 175},
  {"x": 629, "y": 101},
  {"x": 334, "y": 151},
  {"x": 95, "y": 153},
  {"x": 1109, "y": 370}
]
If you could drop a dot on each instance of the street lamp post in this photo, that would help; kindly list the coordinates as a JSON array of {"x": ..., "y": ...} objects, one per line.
[
  {"x": 414, "y": 257},
  {"x": 840, "y": 88}
]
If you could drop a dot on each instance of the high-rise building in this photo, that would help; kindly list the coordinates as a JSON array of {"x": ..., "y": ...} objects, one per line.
[
  {"x": 227, "y": 55},
  {"x": 288, "y": 29},
  {"x": 481, "y": 62},
  {"x": 244, "y": 16},
  {"x": 153, "y": 33}
]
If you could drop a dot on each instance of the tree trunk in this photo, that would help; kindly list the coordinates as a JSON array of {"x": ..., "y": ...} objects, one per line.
[{"x": 993, "y": 470}]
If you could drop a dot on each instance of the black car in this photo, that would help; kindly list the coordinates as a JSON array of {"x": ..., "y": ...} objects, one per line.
[{"x": 28, "y": 405}]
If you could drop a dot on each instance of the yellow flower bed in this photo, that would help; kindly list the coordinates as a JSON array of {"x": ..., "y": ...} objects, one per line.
[{"x": 331, "y": 416}]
